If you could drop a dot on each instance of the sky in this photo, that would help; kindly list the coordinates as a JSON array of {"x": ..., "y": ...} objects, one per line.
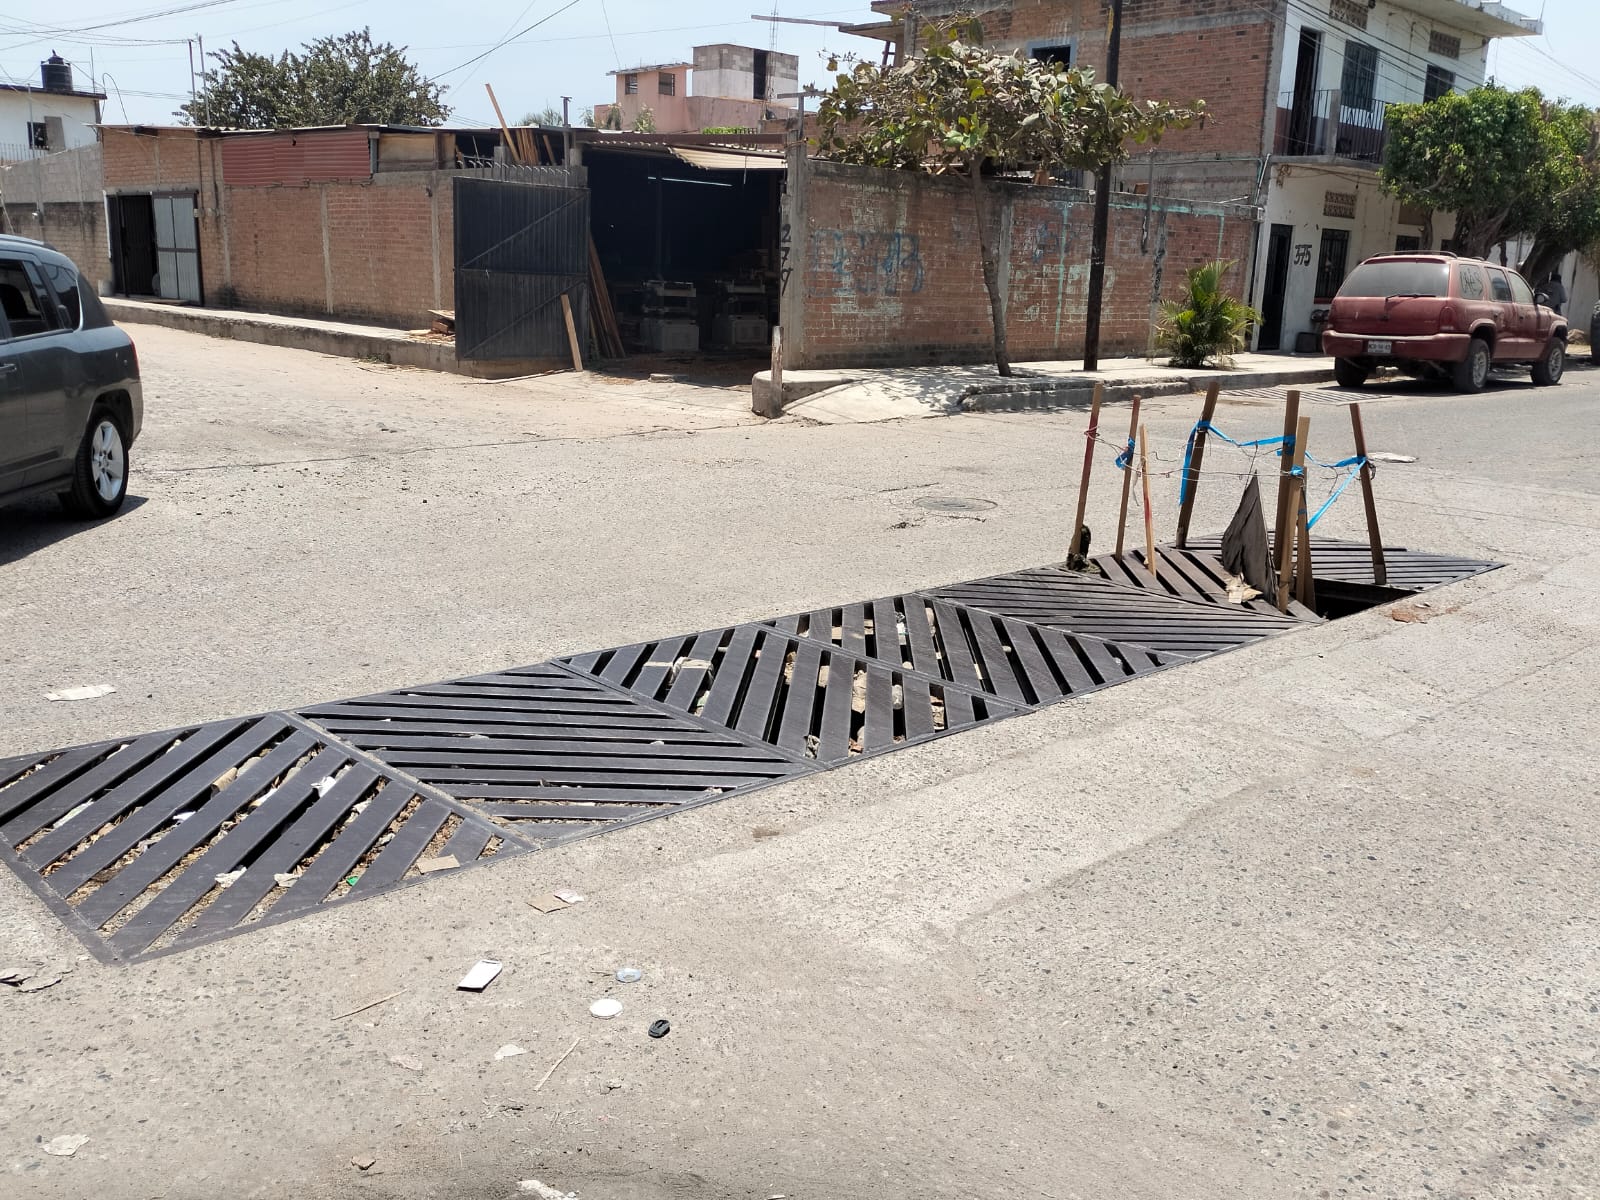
[{"x": 138, "y": 52}]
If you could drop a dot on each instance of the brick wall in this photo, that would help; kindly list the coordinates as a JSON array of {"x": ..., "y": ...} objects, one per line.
[
  {"x": 377, "y": 250},
  {"x": 56, "y": 199},
  {"x": 883, "y": 267}
]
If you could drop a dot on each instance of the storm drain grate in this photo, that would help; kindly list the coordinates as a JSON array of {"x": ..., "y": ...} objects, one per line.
[
  {"x": 1189, "y": 574},
  {"x": 1408, "y": 570},
  {"x": 555, "y": 753},
  {"x": 128, "y": 838},
  {"x": 811, "y": 701},
  {"x": 1011, "y": 659},
  {"x": 1088, "y": 604}
]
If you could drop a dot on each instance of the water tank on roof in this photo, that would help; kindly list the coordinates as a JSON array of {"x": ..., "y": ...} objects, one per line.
[{"x": 57, "y": 73}]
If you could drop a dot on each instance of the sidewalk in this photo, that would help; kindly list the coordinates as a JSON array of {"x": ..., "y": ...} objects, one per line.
[{"x": 853, "y": 396}]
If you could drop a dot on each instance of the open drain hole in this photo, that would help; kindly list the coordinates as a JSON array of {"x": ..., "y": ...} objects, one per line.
[{"x": 1338, "y": 598}]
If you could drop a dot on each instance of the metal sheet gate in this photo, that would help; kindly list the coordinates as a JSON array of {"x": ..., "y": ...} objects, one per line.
[{"x": 521, "y": 243}]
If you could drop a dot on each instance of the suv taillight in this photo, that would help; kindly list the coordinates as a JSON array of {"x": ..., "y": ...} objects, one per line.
[{"x": 1447, "y": 319}]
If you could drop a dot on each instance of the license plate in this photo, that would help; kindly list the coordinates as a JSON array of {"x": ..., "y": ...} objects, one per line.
[{"x": 1379, "y": 347}]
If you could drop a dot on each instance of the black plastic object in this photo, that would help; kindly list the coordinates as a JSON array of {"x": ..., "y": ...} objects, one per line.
[{"x": 660, "y": 1029}]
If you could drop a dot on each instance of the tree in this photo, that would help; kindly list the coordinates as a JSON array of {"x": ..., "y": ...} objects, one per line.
[
  {"x": 645, "y": 122},
  {"x": 345, "y": 80},
  {"x": 960, "y": 107},
  {"x": 547, "y": 116},
  {"x": 1485, "y": 155},
  {"x": 1569, "y": 219}
]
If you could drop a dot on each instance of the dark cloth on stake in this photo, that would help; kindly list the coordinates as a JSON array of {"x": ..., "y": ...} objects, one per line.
[{"x": 1245, "y": 551}]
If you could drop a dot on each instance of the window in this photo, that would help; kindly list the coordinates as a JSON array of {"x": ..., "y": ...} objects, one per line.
[
  {"x": 1440, "y": 83},
  {"x": 758, "y": 82},
  {"x": 630, "y": 85},
  {"x": 65, "y": 282},
  {"x": 1445, "y": 45},
  {"x": 38, "y": 135},
  {"x": 1470, "y": 280},
  {"x": 1499, "y": 286},
  {"x": 1058, "y": 57},
  {"x": 1407, "y": 243},
  {"x": 1331, "y": 262},
  {"x": 21, "y": 298},
  {"x": 1360, "y": 76},
  {"x": 1390, "y": 278},
  {"x": 1520, "y": 288},
  {"x": 667, "y": 83}
]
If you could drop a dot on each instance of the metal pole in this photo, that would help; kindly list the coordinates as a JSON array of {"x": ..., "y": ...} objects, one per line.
[{"x": 1102, "y": 215}]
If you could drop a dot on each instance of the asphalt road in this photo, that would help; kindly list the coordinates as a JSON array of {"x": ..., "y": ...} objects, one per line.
[{"x": 1310, "y": 919}]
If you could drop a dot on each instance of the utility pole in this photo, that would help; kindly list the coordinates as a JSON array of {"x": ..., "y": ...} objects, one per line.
[{"x": 1102, "y": 214}]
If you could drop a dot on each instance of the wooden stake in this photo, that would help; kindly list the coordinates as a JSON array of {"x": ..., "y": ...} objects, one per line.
[
  {"x": 1149, "y": 522},
  {"x": 1191, "y": 477},
  {"x": 1075, "y": 547},
  {"x": 554, "y": 1065},
  {"x": 505, "y": 130},
  {"x": 1291, "y": 500},
  {"x": 1280, "y": 522},
  {"x": 1127, "y": 481},
  {"x": 1305, "y": 585},
  {"x": 369, "y": 1004},
  {"x": 1380, "y": 567},
  {"x": 775, "y": 400},
  {"x": 572, "y": 332}
]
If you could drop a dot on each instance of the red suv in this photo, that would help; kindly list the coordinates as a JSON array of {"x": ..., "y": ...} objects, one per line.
[{"x": 1441, "y": 316}]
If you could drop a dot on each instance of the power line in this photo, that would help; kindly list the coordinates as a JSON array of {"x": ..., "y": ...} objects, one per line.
[
  {"x": 506, "y": 41},
  {"x": 615, "y": 53}
]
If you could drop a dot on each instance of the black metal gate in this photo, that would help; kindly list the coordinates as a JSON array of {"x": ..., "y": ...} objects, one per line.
[{"x": 522, "y": 242}]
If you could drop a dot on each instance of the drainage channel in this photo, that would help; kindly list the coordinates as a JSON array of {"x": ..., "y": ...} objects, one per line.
[{"x": 154, "y": 844}]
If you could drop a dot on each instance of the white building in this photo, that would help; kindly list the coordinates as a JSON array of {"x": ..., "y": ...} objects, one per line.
[
  {"x": 46, "y": 117},
  {"x": 1343, "y": 62}
]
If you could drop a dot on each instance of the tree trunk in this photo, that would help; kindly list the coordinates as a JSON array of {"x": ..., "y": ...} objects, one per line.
[
  {"x": 1544, "y": 257},
  {"x": 1477, "y": 234},
  {"x": 1427, "y": 233},
  {"x": 991, "y": 270}
]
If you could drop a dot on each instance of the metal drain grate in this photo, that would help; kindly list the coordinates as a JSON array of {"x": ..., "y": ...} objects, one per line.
[
  {"x": 1190, "y": 574},
  {"x": 1022, "y": 663},
  {"x": 1088, "y": 604},
  {"x": 543, "y": 745},
  {"x": 128, "y": 838},
  {"x": 1409, "y": 570},
  {"x": 809, "y": 700}
]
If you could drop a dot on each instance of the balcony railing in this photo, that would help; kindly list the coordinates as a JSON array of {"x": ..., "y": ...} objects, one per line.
[{"x": 1322, "y": 125}]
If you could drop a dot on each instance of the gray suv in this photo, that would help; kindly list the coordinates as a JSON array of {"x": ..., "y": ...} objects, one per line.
[{"x": 70, "y": 403}]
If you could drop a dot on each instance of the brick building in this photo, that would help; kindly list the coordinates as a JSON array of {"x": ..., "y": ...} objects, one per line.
[
  {"x": 1296, "y": 92},
  {"x": 726, "y": 86}
]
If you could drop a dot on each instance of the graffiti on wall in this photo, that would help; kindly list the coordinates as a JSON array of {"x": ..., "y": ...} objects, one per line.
[
  {"x": 870, "y": 262},
  {"x": 1302, "y": 254}
]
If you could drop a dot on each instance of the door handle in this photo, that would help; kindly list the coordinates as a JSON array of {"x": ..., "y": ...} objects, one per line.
[{"x": 8, "y": 368}]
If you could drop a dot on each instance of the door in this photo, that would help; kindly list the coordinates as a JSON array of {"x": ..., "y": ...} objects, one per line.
[
  {"x": 13, "y": 416},
  {"x": 33, "y": 370},
  {"x": 521, "y": 245},
  {"x": 1277, "y": 287},
  {"x": 177, "y": 249},
  {"x": 1303, "y": 123},
  {"x": 1332, "y": 261},
  {"x": 1509, "y": 342},
  {"x": 1531, "y": 329},
  {"x": 132, "y": 224}
]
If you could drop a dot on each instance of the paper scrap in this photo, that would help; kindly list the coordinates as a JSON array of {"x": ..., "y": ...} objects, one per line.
[
  {"x": 363, "y": 1162},
  {"x": 481, "y": 976},
  {"x": 324, "y": 785},
  {"x": 548, "y": 904},
  {"x": 92, "y": 691},
  {"x": 406, "y": 1062},
  {"x": 445, "y": 863},
  {"x": 66, "y": 1145},
  {"x": 285, "y": 878},
  {"x": 508, "y": 1051},
  {"x": 38, "y": 983},
  {"x": 569, "y": 896},
  {"x": 227, "y": 878}
]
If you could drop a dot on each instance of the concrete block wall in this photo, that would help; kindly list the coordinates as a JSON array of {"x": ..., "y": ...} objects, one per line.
[
  {"x": 882, "y": 267},
  {"x": 56, "y": 199}
]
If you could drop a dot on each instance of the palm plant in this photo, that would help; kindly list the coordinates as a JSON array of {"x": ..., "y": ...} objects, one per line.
[{"x": 1207, "y": 323}]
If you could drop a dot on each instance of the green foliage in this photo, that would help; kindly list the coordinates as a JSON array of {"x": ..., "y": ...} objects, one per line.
[
  {"x": 345, "y": 80},
  {"x": 957, "y": 106},
  {"x": 613, "y": 118},
  {"x": 586, "y": 118},
  {"x": 960, "y": 105},
  {"x": 1493, "y": 157},
  {"x": 727, "y": 129},
  {"x": 645, "y": 122},
  {"x": 548, "y": 116},
  {"x": 1208, "y": 322}
]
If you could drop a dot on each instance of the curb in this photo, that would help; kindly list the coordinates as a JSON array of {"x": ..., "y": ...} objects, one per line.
[
  {"x": 342, "y": 343},
  {"x": 1042, "y": 395}
]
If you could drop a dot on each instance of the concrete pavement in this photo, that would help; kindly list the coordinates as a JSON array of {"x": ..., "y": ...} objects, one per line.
[{"x": 1308, "y": 919}]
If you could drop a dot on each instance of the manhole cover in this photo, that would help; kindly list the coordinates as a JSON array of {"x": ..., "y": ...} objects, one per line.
[{"x": 953, "y": 503}]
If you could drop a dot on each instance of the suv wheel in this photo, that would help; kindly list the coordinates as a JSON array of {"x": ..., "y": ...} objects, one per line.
[
  {"x": 1547, "y": 371},
  {"x": 1472, "y": 372},
  {"x": 100, "y": 470},
  {"x": 1348, "y": 373}
]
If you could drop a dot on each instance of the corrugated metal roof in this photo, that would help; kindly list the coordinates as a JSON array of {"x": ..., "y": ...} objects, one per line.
[
  {"x": 729, "y": 160},
  {"x": 296, "y": 158}
]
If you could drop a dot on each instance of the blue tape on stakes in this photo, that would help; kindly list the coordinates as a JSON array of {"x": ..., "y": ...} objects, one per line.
[
  {"x": 1200, "y": 427},
  {"x": 1125, "y": 459}
]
